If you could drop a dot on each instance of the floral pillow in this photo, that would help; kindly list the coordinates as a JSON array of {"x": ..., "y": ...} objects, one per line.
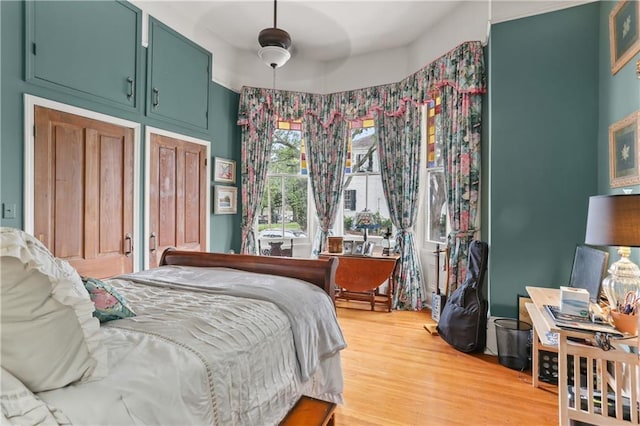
[{"x": 110, "y": 305}]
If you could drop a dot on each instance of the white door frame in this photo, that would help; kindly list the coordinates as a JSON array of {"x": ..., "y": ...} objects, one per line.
[
  {"x": 148, "y": 131},
  {"x": 30, "y": 102}
]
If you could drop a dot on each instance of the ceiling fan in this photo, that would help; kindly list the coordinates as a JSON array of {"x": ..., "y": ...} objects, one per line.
[{"x": 274, "y": 43}]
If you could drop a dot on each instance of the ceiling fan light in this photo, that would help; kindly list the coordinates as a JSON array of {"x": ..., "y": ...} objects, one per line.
[{"x": 274, "y": 56}]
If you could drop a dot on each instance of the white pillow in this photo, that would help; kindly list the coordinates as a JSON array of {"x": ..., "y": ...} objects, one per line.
[
  {"x": 49, "y": 335},
  {"x": 21, "y": 407}
]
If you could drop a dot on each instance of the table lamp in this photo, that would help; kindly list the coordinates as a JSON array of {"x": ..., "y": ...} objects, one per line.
[
  {"x": 365, "y": 221},
  {"x": 614, "y": 220}
]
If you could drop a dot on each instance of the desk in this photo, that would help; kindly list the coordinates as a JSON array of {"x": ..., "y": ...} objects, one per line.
[
  {"x": 615, "y": 371},
  {"x": 358, "y": 277}
]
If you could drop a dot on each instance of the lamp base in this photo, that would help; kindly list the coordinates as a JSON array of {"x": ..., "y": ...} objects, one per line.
[{"x": 623, "y": 278}]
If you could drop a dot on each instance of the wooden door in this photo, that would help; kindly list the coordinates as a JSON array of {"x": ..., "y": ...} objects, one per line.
[
  {"x": 83, "y": 195},
  {"x": 177, "y": 196}
]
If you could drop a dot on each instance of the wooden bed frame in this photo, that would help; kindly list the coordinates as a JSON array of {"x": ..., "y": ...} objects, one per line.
[{"x": 320, "y": 272}]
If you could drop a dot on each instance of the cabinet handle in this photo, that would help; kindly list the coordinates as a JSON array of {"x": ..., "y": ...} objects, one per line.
[
  {"x": 128, "y": 238},
  {"x": 131, "y": 89},
  {"x": 155, "y": 98},
  {"x": 153, "y": 247}
]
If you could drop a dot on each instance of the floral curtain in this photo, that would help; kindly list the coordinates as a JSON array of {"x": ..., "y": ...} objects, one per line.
[
  {"x": 327, "y": 153},
  {"x": 256, "y": 146},
  {"x": 461, "y": 150},
  {"x": 462, "y": 69},
  {"x": 459, "y": 77},
  {"x": 399, "y": 150}
]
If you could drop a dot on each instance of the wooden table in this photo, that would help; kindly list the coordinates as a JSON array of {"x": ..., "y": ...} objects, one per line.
[
  {"x": 358, "y": 277},
  {"x": 611, "y": 364}
]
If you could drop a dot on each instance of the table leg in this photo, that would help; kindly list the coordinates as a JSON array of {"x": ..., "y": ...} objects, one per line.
[
  {"x": 535, "y": 359},
  {"x": 563, "y": 397}
]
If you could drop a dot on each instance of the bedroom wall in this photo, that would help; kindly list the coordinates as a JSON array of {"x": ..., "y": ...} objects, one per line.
[
  {"x": 223, "y": 133},
  {"x": 619, "y": 96},
  {"x": 543, "y": 161}
]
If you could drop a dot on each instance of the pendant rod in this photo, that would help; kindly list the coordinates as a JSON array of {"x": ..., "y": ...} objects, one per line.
[{"x": 275, "y": 13}]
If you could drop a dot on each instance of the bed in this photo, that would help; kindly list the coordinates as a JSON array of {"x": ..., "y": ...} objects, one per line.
[{"x": 216, "y": 339}]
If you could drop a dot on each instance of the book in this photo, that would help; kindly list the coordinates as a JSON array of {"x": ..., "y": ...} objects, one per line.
[{"x": 576, "y": 322}]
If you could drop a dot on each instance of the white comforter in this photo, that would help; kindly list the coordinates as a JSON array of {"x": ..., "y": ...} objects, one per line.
[{"x": 205, "y": 357}]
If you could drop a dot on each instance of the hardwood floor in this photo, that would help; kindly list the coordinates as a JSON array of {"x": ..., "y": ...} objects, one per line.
[{"x": 396, "y": 373}]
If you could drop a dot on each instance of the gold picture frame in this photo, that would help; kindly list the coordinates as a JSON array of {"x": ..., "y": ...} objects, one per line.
[
  {"x": 624, "y": 151},
  {"x": 624, "y": 34},
  {"x": 224, "y": 170},
  {"x": 225, "y": 199}
]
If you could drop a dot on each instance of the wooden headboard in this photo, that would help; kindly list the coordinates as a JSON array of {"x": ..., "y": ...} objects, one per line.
[{"x": 320, "y": 272}]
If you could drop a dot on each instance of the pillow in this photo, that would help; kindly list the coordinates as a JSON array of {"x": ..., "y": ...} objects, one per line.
[
  {"x": 21, "y": 407},
  {"x": 49, "y": 336},
  {"x": 110, "y": 305}
]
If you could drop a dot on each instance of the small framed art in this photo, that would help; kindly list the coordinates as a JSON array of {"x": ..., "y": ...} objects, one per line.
[
  {"x": 224, "y": 170},
  {"x": 368, "y": 248},
  {"x": 624, "y": 151},
  {"x": 358, "y": 248},
  {"x": 347, "y": 247},
  {"x": 624, "y": 35},
  {"x": 225, "y": 199},
  {"x": 523, "y": 313}
]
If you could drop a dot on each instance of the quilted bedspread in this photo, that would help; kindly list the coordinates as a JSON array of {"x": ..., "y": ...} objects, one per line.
[{"x": 205, "y": 348}]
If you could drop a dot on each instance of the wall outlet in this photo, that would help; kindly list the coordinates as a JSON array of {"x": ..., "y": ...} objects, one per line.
[{"x": 8, "y": 211}]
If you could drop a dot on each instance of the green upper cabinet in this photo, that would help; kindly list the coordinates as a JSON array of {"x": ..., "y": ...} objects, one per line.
[
  {"x": 87, "y": 48},
  {"x": 178, "y": 77}
]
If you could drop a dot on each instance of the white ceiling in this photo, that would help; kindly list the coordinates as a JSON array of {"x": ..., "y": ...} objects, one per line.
[
  {"x": 380, "y": 40},
  {"x": 320, "y": 30}
]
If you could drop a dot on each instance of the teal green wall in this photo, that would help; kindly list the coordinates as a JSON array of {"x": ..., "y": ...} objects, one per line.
[
  {"x": 222, "y": 131},
  {"x": 543, "y": 127},
  {"x": 619, "y": 96},
  {"x": 223, "y": 113}
]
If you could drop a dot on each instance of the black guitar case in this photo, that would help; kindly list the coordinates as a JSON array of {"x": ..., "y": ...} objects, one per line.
[{"x": 463, "y": 319}]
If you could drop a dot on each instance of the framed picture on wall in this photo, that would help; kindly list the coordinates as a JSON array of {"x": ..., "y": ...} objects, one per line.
[
  {"x": 624, "y": 36},
  {"x": 224, "y": 170},
  {"x": 624, "y": 151},
  {"x": 225, "y": 199}
]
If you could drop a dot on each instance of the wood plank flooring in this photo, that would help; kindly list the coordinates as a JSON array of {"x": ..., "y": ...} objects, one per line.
[{"x": 396, "y": 373}]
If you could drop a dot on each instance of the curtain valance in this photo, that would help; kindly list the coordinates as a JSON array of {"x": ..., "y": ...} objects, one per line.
[{"x": 462, "y": 69}]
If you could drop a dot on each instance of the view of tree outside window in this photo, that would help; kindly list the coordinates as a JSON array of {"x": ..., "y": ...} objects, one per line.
[
  {"x": 363, "y": 186},
  {"x": 437, "y": 217},
  {"x": 283, "y": 219}
]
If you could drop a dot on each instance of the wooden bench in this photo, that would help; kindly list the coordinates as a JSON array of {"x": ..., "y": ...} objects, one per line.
[{"x": 310, "y": 412}]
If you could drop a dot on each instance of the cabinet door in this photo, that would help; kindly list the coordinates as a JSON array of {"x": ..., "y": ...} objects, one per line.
[
  {"x": 89, "y": 47},
  {"x": 178, "y": 78}
]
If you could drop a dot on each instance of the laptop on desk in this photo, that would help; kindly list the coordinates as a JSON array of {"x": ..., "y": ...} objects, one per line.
[{"x": 587, "y": 272}]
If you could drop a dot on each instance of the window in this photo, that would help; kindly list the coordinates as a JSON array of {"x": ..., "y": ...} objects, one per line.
[
  {"x": 363, "y": 183},
  {"x": 350, "y": 199},
  {"x": 283, "y": 220},
  {"x": 437, "y": 218}
]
